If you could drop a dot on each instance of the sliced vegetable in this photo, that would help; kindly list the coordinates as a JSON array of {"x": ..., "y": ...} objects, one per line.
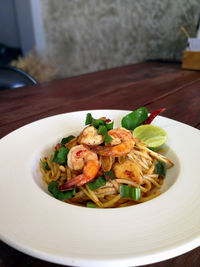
[
  {"x": 101, "y": 125},
  {"x": 97, "y": 122},
  {"x": 153, "y": 136},
  {"x": 53, "y": 189},
  {"x": 103, "y": 131},
  {"x": 91, "y": 205},
  {"x": 66, "y": 140},
  {"x": 160, "y": 168},
  {"x": 135, "y": 118},
  {"x": 101, "y": 181},
  {"x": 153, "y": 115},
  {"x": 97, "y": 183},
  {"x": 60, "y": 156},
  {"x": 45, "y": 165},
  {"x": 132, "y": 192}
]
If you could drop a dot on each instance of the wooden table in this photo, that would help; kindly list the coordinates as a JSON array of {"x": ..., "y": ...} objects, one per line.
[{"x": 151, "y": 84}]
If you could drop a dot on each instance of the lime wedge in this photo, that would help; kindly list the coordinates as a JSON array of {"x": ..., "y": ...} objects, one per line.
[{"x": 153, "y": 136}]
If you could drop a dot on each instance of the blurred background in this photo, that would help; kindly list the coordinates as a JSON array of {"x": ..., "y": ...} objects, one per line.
[{"x": 53, "y": 39}]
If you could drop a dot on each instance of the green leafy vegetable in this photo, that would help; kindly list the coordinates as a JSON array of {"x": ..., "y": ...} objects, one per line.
[
  {"x": 45, "y": 165},
  {"x": 135, "y": 118},
  {"x": 101, "y": 181},
  {"x": 160, "y": 168},
  {"x": 91, "y": 205},
  {"x": 53, "y": 189},
  {"x": 60, "y": 156},
  {"x": 102, "y": 127},
  {"x": 94, "y": 122},
  {"x": 66, "y": 140},
  {"x": 104, "y": 131},
  {"x": 97, "y": 183},
  {"x": 132, "y": 192}
]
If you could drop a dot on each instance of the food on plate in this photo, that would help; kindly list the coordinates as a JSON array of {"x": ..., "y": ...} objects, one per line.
[{"x": 107, "y": 167}]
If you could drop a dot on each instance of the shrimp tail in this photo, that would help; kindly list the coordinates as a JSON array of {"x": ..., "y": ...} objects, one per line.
[{"x": 76, "y": 181}]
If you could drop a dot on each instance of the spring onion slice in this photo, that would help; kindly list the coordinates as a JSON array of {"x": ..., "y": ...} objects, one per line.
[{"x": 130, "y": 192}]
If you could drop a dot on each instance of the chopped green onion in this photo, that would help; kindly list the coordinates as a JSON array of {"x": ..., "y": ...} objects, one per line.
[
  {"x": 45, "y": 165},
  {"x": 91, "y": 205},
  {"x": 160, "y": 168},
  {"x": 60, "y": 156},
  {"x": 66, "y": 140},
  {"x": 61, "y": 195},
  {"x": 130, "y": 192}
]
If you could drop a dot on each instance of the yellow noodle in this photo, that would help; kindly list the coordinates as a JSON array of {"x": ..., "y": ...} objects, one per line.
[
  {"x": 93, "y": 197},
  {"x": 152, "y": 181},
  {"x": 111, "y": 202}
]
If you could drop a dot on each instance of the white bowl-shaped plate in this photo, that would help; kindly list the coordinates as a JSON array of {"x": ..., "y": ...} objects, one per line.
[{"x": 35, "y": 223}]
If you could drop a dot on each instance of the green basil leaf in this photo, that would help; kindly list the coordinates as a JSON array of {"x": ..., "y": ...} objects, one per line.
[
  {"x": 109, "y": 175},
  {"x": 101, "y": 181},
  {"x": 160, "y": 168},
  {"x": 91, "y": 205},
  {"x": 53, "y": 189},
  {"x": 66, "y": 140},
  {"x": 135, "y": 118},
  {"x": 97, "y": 183},
  {"x": 102, "y": 130},
  {"x": 60, "y": 156},
  {"x": 107, "y": 138},
  {"x": 109, "y": 126}
]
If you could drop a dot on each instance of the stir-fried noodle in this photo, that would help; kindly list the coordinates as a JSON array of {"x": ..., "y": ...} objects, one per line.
[{"x": 135, "y": 169}]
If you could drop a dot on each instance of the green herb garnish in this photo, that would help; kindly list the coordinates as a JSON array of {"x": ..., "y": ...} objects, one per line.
[
  {"x": 60, "y": 156},
  {"x": 66, "y": 140},
  {"x": 101, "y": 181},
  {"x": 101, "y": 126},
  {"x": 91, "y": 205},
  {"x": 135, "y": 118},
  {"x": 130, "y": 192},
  {"x": 61, "y": 195}
]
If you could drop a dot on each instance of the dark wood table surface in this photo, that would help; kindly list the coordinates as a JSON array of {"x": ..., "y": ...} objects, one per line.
[{"x": 150, "y": 84}]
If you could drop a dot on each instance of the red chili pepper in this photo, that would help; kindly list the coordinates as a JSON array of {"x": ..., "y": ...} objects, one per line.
[
  {"x": 106, "y": 120},
  {"x": 108, "y": 177},
  {"x": 79, "y": 153},
  {"x": 153, "y": 115}
]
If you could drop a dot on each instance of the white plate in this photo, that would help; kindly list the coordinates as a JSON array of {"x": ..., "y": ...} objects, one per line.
[{"x": 37, "y": 224}]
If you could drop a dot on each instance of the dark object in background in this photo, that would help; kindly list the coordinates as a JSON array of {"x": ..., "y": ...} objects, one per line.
[
  {"x": 11, "y": 77},
  {"x": 7, "y": 54}
]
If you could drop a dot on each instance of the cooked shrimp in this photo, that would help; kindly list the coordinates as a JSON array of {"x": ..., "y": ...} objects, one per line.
[
  {"x": 80, "y": 158},
  {"x": 128, "y": 170},
  {"x": 127, "y": 143},
  {"x": 90, "y": 136}
]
